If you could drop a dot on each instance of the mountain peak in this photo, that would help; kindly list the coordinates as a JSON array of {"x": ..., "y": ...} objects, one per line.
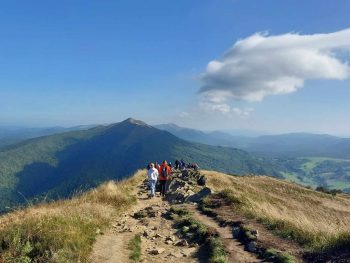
[{"x": 134, "y": 121}]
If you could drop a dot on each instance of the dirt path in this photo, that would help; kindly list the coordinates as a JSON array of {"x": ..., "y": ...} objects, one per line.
[
  {"x": 159, "y": 241},
  {"x": 235, "y": 249},
  {"x": 158, "y": 236}
]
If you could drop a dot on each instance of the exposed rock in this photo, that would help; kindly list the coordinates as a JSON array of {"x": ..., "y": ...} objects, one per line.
[
  {"x": 169, "y": 242},
  {"x": 186, "y": 253},
  {"x": 171, "y": 238},
  {"x": 252, "y": 246},
  {"x": 176, "y": 184},
  {"x": 190, "y": 192},
  {"x": 200, "y": 195},
  {"x": 236, "y": 231},
  {"x": 158, "y": 236},
  {"x": 140, "y": 214},
  {"x": 202, "y": 180},
  {"x": 176, "y": 197},
  {"x": 175, "y": 254},
  {"x": 156, "y": 251},
  {"x": 182, "y": 242},
  {"x": 254, "y": 232},
  {"x": 185, "y": 173}
]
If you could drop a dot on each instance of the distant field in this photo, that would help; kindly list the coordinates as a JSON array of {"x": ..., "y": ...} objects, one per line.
[
  {"x": 316, "y": 220},
  {"x": 333, "y": 173}
]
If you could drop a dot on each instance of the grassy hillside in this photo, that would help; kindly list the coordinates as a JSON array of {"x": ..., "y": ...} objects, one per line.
[
  {"x": 59, "y": 165},
  {"x": 64, "y": 231},
  {"x": 316, "y": 220}
]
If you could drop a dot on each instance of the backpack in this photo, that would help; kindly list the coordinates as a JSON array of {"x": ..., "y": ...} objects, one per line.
[{"x": 165, "y": 172}]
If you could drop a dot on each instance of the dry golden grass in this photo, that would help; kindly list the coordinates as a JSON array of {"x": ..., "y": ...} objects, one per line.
[
  {"x": 64, "y": 231},
  {"x": 315, "y": 219}
]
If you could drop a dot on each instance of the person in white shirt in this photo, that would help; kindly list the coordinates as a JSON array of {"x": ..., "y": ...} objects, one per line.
[{"x": 152, "y": 179}]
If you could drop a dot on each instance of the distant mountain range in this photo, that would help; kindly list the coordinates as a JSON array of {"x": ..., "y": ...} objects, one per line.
[
  {"x": 58, "y": 165},
  {"x": 13, "y": 134},
  {"x": 286, "y": 145}
]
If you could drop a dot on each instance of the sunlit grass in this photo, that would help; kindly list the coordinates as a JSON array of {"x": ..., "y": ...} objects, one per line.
[
  {"x": 64, "y": 231},
  {"x": 316, "y": 220}
]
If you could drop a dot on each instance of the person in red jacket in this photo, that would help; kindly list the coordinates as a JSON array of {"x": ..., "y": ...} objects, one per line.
[{"x": 164, "y": 176}]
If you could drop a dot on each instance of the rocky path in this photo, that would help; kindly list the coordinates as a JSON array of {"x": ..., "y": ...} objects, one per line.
[{"x": 159, "y": 241}]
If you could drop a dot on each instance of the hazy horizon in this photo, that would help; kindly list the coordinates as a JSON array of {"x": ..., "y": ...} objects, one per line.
[{"x": 238, "y": 131}]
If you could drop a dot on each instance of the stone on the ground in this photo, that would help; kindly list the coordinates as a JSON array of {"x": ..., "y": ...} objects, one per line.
[
  {"x": 169, "y": 242},
  {"x": 176, "y": 184},
  {"x": 182, "y": 242},
  {"x": 158, "y": 236},
  {"x": 255, "y": 232},
  {"x": 171, "y": 238},
  {"x": 157, "y": 251},
  {"x": 236, "y": 231},
  {"x": 202, "y": 180},
  {"x": 176, "y": 197},
  {"x": 200, "y": 195},
  {"x": 185, "y": 253},
  {"x": 252, "y": 246},
  {"x": 140, "y": 214},
  {"x": 175, "y": 254}
]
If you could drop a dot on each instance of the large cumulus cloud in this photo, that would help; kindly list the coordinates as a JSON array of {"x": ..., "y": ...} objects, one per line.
[{"x": 262, "y": 65}]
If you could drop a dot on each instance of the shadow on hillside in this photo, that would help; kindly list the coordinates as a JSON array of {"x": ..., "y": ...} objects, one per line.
[
  {"x": 203, "y": 253},
  {"x": 87, "y": 162}
]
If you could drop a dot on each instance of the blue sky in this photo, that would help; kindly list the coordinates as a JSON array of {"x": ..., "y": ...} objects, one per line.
[{"x": 83, "y": 62}]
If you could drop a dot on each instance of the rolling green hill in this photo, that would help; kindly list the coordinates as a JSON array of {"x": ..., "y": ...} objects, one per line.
[{"x": 59, "y": 165}]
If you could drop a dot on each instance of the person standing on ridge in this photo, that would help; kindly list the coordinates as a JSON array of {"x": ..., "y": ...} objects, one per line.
[
  {"x": 152, "y": 179},
  {"x": 177, "y": 164},
  {"x": 164, "y": 176}
]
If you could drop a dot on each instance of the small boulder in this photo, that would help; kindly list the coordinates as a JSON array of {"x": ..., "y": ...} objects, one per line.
[
  {"x": 157, "y": 251},
  {"x": 169, "y": 242},
  {"x": 236, "y": 231},
  {"x": 171, "y": 238},
  {"x": 252, "y": 247},
  {"x": 158, "y": 236},
  {"x": 202, "y": 180},
  {"x": 200, "y": 195},
  {"x": 182, "y": 242}
]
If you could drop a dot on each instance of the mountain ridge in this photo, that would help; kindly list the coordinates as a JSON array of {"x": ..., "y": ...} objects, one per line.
[{"x": 61, "y": 164}]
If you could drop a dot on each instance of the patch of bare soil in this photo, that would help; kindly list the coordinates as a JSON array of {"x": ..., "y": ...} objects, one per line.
[{"x": 234, "y": 248}]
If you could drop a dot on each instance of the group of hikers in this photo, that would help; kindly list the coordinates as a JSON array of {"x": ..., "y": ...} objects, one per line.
[{"x": 163, "y": 173}]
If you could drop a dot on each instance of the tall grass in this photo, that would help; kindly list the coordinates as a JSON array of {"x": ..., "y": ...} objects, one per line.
[
  {"x": 316, "y": 220},
  {"x": 63, "y": 231}
]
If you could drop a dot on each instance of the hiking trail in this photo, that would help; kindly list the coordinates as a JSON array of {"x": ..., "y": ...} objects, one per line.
[{"x": 159, "y": 239}]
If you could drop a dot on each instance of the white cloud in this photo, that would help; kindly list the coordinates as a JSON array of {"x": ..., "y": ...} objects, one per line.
[
  {"x": 225, "y": 109},
  {"x": 262, "y": 65}
]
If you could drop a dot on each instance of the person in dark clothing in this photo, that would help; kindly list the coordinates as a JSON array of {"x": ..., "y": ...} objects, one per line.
[
  {"x": 177, "y": 164},
  {"x": 183, "y": 164},
  {"x": 164, "y": 176}
]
